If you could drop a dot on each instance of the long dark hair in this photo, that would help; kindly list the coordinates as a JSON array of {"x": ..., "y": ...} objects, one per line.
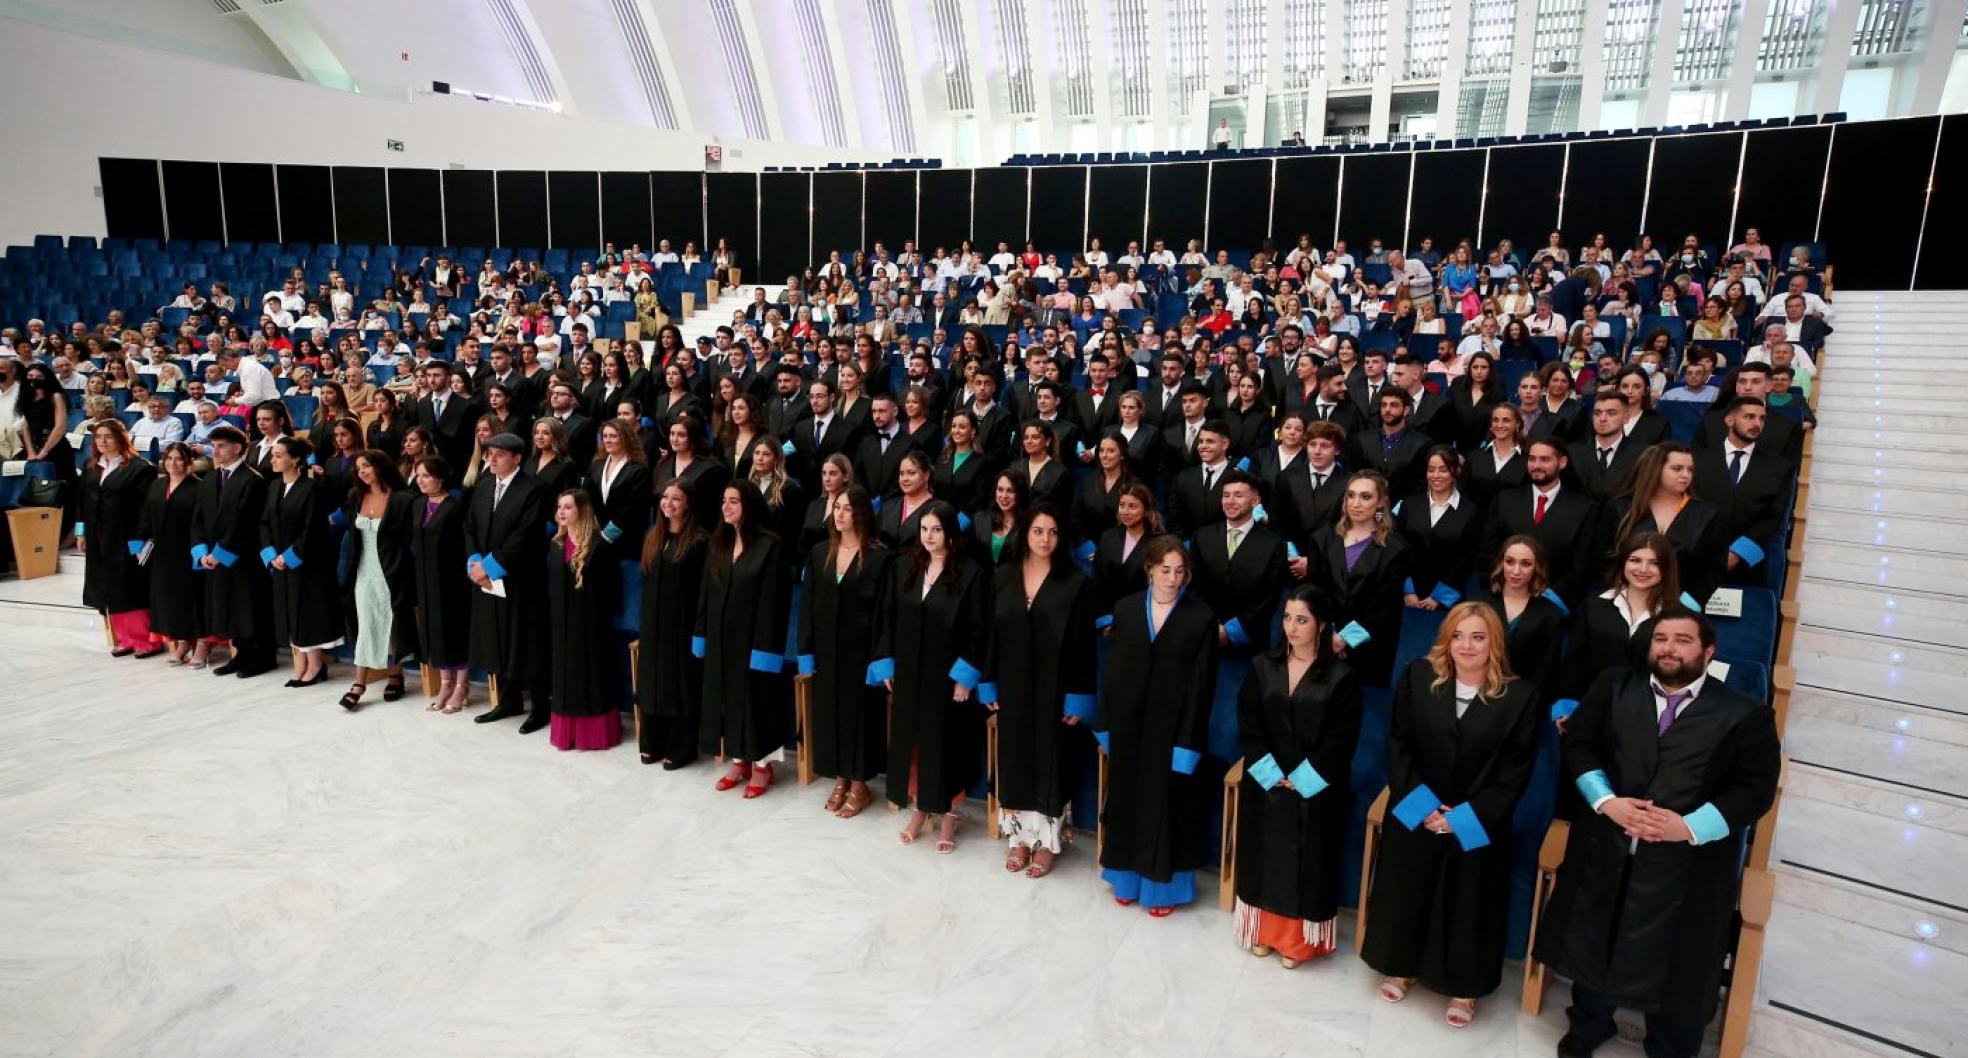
[
  {"x": 1322, "y": 613},
  {"x": 659, "y": 535},
  {"x": 857, "y": 500},
  {"x": 751, "y": 526},
  {"x": 1062, "y": 553},
  {"x": 955, "y": 554},
  {"x": 388, "y": 475}
]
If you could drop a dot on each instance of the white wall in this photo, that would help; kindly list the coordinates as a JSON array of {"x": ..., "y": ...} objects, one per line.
[{"x": 162, "y": 106}]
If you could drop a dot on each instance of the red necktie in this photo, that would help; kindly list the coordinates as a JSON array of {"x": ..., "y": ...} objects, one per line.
[{"x": 1537, "y": 518}]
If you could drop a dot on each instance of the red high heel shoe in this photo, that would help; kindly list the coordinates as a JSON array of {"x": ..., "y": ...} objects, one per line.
[
  {"x": 738, "y": 773},
  {"x": 1160, "y": 912},
  {"x": 1123, "y": 901},
  {"x": 758, "y": 790}
]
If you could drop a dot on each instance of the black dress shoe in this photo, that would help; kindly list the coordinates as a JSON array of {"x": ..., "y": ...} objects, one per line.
[
  {"x": 534, "y": 723},
  {"x": 680, "y": 762},
  {"x": 497, "y": 715},
  {"x": 1573, "y": 1045},
  {"x": 122, "y": 652},
  {"x": 231, "y": 666},
  {"x": 247, "y": 672}
]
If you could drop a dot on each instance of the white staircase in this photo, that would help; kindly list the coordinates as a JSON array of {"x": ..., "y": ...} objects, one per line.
[
  {"x": 707, "y": 319},
  {"x": 1866, "y": 949}
]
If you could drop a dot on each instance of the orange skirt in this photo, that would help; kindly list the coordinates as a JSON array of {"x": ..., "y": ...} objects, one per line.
[{"x": 1293, "y": 938}]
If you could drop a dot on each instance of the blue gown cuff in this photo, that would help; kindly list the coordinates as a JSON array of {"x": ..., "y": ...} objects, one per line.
[
  {"x": 338, "y": 518},
  {"x": 1594, "y": 786},
  {"x": 1551, "y": 596},
  {"x": 293, "y": 560},
  {"x": 1184, "y": 761},
  {"x": 1747, "y": 550},
  {"x": 136, "y": 547},
  {"x": 492, "y": 567},
  {"x": 880, "y": 669},
  {"x": 1084, "y": 552},
  {"x": 1234, "y": 628},
  {"x": 1307, "y": 780},
  {"x": 1408, "y": 586},
  {"x": 611, "y": 532},
  {"x": 1106, "y": 741},
  {"x": 1291, "y": 551},
  {"x": 963, "y": 521},
  {"x": 987, "y": 692},
  {"x": 267, "y": 555},
  {"x": 964, "y": 674},
  {"x": 1688, "y": 601},
  {"x": 1416, "y": 806},
  {"x": 876, "y": 503},
  {"x": 1244, "y": 464},
  {"x": 226, "y": 558},
  {"x": 1445, "y": 595},
  {"x": 198, "y": 553},
  {"x": 1706, "y": 824},
  {"x": 1468, "y": 830},
  {"x": 787, "y": 448},
  {"x": 1264, "y": 771},
  {"x": 697, "y": 646},
  {"x": 1105, "y": 620},
  {"x": 806, "y": 664},
  {"x": 1079, "y": 706},
  {"x": 1259, "y": 514},
  {"x": 766, "y": 661},
  {"x": 1564, "y": 707}
]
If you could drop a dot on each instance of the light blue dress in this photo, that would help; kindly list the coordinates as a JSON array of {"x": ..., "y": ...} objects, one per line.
[{"x": 373, "y": 612}]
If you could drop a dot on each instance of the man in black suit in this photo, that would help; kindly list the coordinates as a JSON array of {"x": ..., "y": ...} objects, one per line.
[
  {"x": 882, "y": 449},
  {"x": 1570, "y": 295},
  {"x": 788, "y": 404},
  {"x": 995, "y": 429},
  {"x": 1164, "y": 397},
  {"x": 505, "y": 540},
  {"x": 564, "y": 404},
  {"x": 1065, "y": 432},
  {"x": 1308, "y": 498},
  {"x": 225, "y": 533},
  {"x": 1397, "y": 450},
  {"x": 1097, "y": 408},
  {"x": 451, "y": 419},
  {"x": 822, "y": 433},
  {"x": 1366, "y": 387},
  {"x": 1781, "y": 433},
  {"x": 1281, "y": 371},
  {"x": 1331, "y": 403},
  {"x": 1240, "y": 568},
  {"x": 1024, "y": 395},
  {"x": 922, "y": 374},
  {"x": 1560, "y": 518},
  {"x": 1181, "y": 437},
  {"x": 1749, "y": 484},
  {"x": 1195, "y": 491},
  {"x": 1800, "y": 326},
  {"x": 1432, "y": 414},
  {"x": 471, "y": 364},
  {"x": 1602, "y": 465}
]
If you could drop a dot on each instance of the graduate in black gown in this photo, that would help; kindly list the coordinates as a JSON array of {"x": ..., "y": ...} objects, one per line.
[
  {"x": 1100, "y": 490},
  {"x": 619, "y": 485},
  {"x": 1361, "y": 564},
  {"x": 1118, "y": 571},
  {"x": 700, "y": 471},
  {"x": 1612, "y": 630},
  {"x": 1040, "y": 685},
  {"x": 1042, "y": 476},
  {"x": 669, "y": 678},
  {"x": 1153, "y": 722},
  {"x": 1661, "y": 500},
  {"x": 583, "y": 596},
  {"x": 847, "y": 584},
  {"x": 176, "y": 610},
  {"x": 934, "y": 636},
  {"x": 1441, "y": 525},
  {"x": 297, "y": 547},
  {"x": 964, "y": 470},
  {"x": 1298, "y": 716},
  {"x": 550, "y": 461},
  {"x": 1675, "y": 767},
  {"x": 225, "y": 534},
  {"x": 444, "y": 590},
  {"x": 114, "y": 487},
  {"x": 505, "y": 528},
  {"x": 741, "y": 635},
  {"x": 900, "y": 516},
  {"x": 1534, "y": 622},
  {"x": 817, "y": 524},
  {"x": 1461, "y": 744}
]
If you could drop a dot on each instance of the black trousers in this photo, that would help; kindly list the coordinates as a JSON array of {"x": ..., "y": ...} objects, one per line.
[
  {"x": 255, "y": 651},
  {"x": 513, "y": 692},
  {"x": 1591, "y": 1015},
  {"x": 671, "y": 738}
]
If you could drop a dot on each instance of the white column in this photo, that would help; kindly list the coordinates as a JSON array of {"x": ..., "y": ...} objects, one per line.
[
  {"x": 830, "y": 23},
  {"x": 1449, "y": 92},
  {"x": 1161, "y": 102},
  {"x": 920, "y": 116},
  {"x": 1216, "y": 54},
  {"x": 1836, "y": 57},
  {"x": 1037, "y": 33},
  {"x": 1742, "y": 65},
  {"x": 1274, "y": 66},
  {"x": 1382, "y": 107},
  {"x": 1936, "y": 56},
  {"x": 1660, "y": 80},
  {"x": 1592, "y": 64},
  {"x": 1335, "y": 43},
  {"x": 762, "y": 71},
  {"x": 1100, "y": 59},
  {"x": 1523, "y": 62},
  {"x": 1315, "y": 110},
  {"x": 988, "y": 143},
  {"x": 659, "y": 42}
]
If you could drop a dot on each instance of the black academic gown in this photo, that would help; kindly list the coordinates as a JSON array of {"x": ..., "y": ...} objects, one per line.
[
  {"x": 580, "y": 632},
  {"x": 1647, "y": 926},
  {"x": 839, "y": 620},
  {"x": 627, "y": 505},
  {"x": 1437, "y": 912},
  {"x": 966, "y": 487},
  {"x": 1053, "y": 487},
  {"x": 1532, "y": 642},
  {"x": 741, "y": 617},
  {"x": 1041, "y": 671},
  {"x": 396, "y": 542},
  {"x": 505, "y": 638},
  {"x": 1369, "y": 595},
  {"x": 444, "y": 592},
  {"x": 1288, "y": 841},
  {"x": 669, "y": 677},
  {"x": 1700, "y": 548},
  {"x": 1600, "y": 641},
  {"x": 705, "y": 479},
  {"x": 1445, "y": 552},
  {"x": 927, "y": 637},
  {"x": 306, "y": 601},
  {"x": 1095, "y": 506},
  {"x": 111, "y": 510},
  {"x": 238, "y": 599},
  {"x": 1483, "y": 480},
  {"x": 1242, "y": 590},
  {"x": 1155, "y": 706},
  {"x": 176, "y": 593},
  {"x": 896, "y": 531},
  {"x": 1117, "y": 576}
]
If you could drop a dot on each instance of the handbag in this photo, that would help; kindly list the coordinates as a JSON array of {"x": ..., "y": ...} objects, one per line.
[{"x": 42, "y": 492}]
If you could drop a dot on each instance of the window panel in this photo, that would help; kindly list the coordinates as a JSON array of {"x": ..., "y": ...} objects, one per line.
[
  {"x": 738, "y": 67},
  {"x": 887, "y": 45},
  {"x": 1188, "y": 39},
  {"x": 1134, "y": 95},
  {"x": 821, "y": 87},
  {"x": 1708, "y": 39},
  {"x": 1305, "y": 41},
  {"x": 1366, "y": 39},
  {"x": 1428, "y": 39},
  {"x": 1015, "y": 57},
  {"x": 1073, "y": 56},
  {"x": 953, "y": 53},
  {"x": 1886, "y": 27},
  {"x": 1246, "y": 43},
  {"x": 1629, "y": 50},
  {"x": 1492, "y": 37}
]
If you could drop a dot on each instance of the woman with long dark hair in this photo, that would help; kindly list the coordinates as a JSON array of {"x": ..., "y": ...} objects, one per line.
[
  {"x": 176, "y": 612},
  {"x": 1612, "y": 629},
  {"x": 44, "y": 413},
  {"x": 1118, "y": 569},
  {"x": 1044, "y": 479},
  {"x": 1441, "y": 525},
  {"x": 380, "y": 590},
  {"x": 583, "y": 589},
  {"x": 299, "y": 552},
  {"x": 995, "y": 534},
  {"x": 443, "y": 588},
  {"x": 109, "y": 509},
  {"x": 1041, "y": 686},
  {"x": 817, "y": 525},
  {"x": 847, "y": 581},
  {"x": 963, "y": 472},
  {"x": 1661, "y": 500},
  {"x": 692, "y": 467},
  {"x": 669, "y": 678},
  {"x": 385, "y": 431},
  {"x": 1298, "y": 716},
  {"x": 933, "y": 638},
  {"x": 549, "y": 460},
  {"x": 741, "y": 635},
  {"x": 1100, "y": 490}
]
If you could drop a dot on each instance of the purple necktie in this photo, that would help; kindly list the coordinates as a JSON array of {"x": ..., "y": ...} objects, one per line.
[{"x": 1674, "y": 703}]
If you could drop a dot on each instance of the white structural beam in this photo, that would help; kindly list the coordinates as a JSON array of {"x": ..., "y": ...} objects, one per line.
[
  {"x": 1161, "y": 97},
  {"x": 989, "y": 141},
  {"x": 1836, "y": 58},
  {"x": 1936, "y": 55},
  {"x": 762, "y": 71},
  {"x": 1592, "y": 64},
  {"x": 666, "y": 67},
  {"x": 1380, "y": 110},
  {"x": 1742, "y": 65},
  {"x": 529, "y": 25},
  {"x": 920, "y": 116},
  {"x": 1660, "y": 80},
  {"x": 830, "y": 23},
  {"x": 1040, "y": 28},
  {"x": 1523, "y": 63},
  {"x": 1101, "y": 60},
  {"x": 1455, "y": 62},
  {"x": 1335, "y": 71}
]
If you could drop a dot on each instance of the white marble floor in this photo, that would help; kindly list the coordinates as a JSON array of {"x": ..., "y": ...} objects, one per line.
[
  {"x": 196, "y": 866},
  {"x": 1867, "y": 947}
]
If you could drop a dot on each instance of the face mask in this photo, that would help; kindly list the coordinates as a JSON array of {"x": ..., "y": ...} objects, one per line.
[
  {"x": 1649, "y": 367},
  {"x": 1513, "y": 288}
]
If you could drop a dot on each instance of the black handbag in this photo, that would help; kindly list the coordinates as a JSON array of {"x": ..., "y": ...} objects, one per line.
[{"x": 41, "y": 492}]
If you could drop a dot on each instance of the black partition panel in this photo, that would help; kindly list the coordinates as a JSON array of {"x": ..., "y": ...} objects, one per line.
[
  {"x": 574, "y": 210},
  {"x": 998, "y": 209},
  {"x": 1059, "y": 211},
  {"x": 785, "y": 246},
  {"x": 471, "y": 214},
  {"x": 416, "y": 207},
  {"x": 1305, "y": 200},
  {"x": 1240, "y": 203},
  {"x": 731, "y": 207},
  {"x": 677, "y": 210},
  {"x": 133, "y": 206},
  {"x": 1874, "y": 200},
  {"x": 1606, "y": 184},
  {"x": 836, "y": 215},
  {"x": 625, "y": 212},
  {"x": 361, "y": 204},
  {"x": 1521, "y": 195},
  {"x": 1446, "y": 198},
  {"x": 307, "y": 204},
  {"x": 1782, "y": 183},
  {"x": 891, "y": 213},
  {"x": 944, "y": 211},
  {"x": 192, "y": 207},
  {"x": 1117, "y": 205},
  {"x": 1373, "y": 199},
  {"x": 1693, "y": 189},
  {"x": 250, "y": 212},
  {"x": 1178, "y": 195},
  {"x": 522, "y": 210},
  {"x": 1947, "y": 214}
]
